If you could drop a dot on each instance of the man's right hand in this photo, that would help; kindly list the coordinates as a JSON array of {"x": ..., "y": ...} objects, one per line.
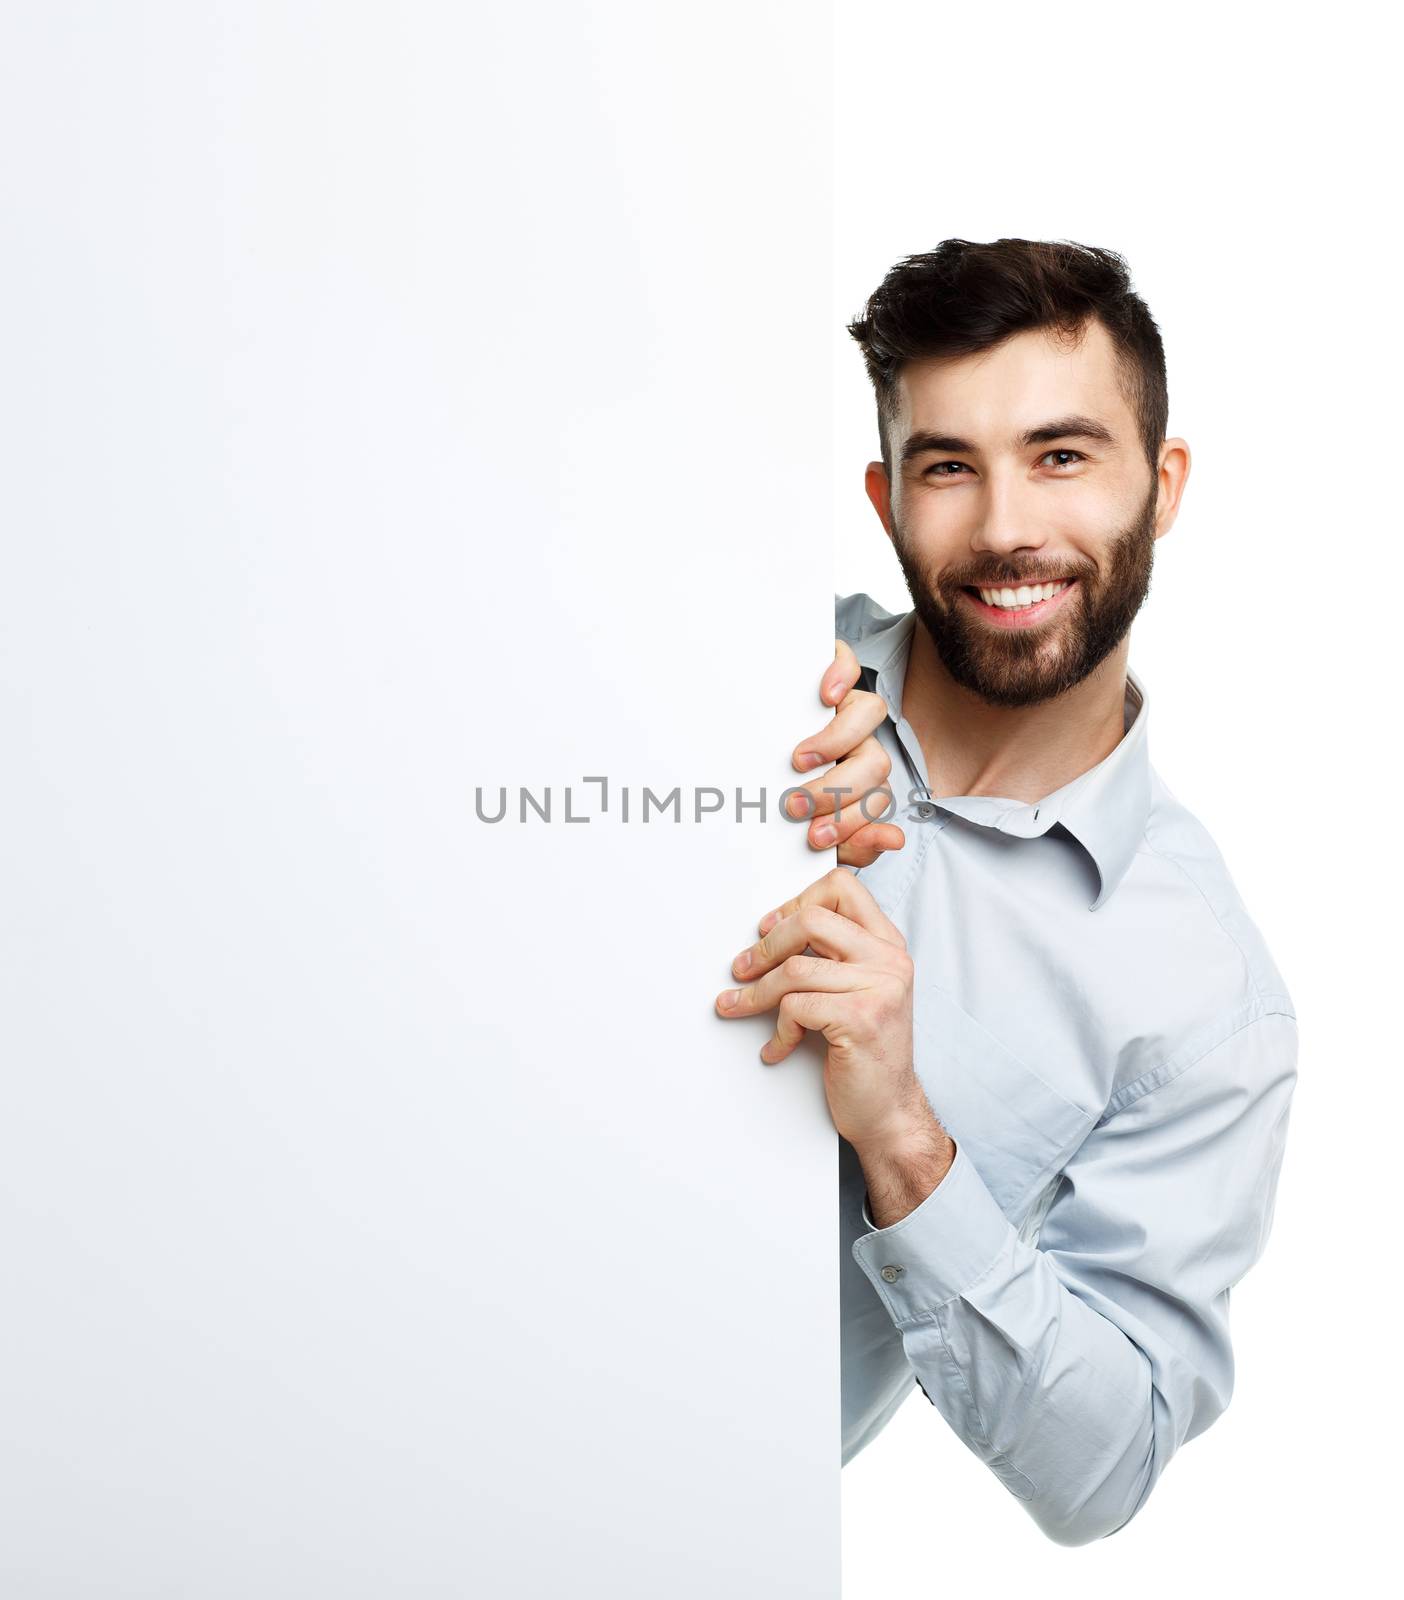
[{"x": 863, "y": 766}]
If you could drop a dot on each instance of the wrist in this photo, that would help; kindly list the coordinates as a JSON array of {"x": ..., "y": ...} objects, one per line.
[
  {"x": 905, "y": 1169},
  {"x": 914, "y": 1136}
]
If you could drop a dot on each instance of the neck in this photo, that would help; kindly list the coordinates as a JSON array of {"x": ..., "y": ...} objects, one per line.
[{"x": 1016, "y": 753}]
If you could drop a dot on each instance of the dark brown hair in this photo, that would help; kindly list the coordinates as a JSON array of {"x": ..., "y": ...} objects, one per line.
[{"x": 963, "y": 297}]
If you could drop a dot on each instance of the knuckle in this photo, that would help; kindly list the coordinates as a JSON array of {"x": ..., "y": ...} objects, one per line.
[
  {"x": 894, "y": 995},
  {"x": 875, "y": 804},
  {"x": 796, "y": 966},
  {"x": 864, "y": 1006}
]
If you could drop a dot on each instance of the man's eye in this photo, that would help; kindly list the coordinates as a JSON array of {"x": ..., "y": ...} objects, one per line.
[{"x": 951, "y": 469}]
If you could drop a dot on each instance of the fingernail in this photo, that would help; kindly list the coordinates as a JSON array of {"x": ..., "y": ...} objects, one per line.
[
  {"x": 743, "y": 962},
  {"x": 768, "y": 921},
  {"x": 798, "y": 805},
  {"x": 808, "y": 759},
  {"x": 729, "y": 998},
  {"x": 825, "y": 833}
]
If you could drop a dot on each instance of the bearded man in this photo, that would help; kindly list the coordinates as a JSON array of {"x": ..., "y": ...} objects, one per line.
[{"x": 1060, "y": 1058}]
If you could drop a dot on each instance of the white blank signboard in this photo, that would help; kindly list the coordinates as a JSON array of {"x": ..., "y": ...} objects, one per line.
[{"x": 403, "y": 402}]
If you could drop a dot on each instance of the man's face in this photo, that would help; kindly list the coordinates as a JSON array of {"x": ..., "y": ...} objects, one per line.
[{"x": 1019, "y": 466}]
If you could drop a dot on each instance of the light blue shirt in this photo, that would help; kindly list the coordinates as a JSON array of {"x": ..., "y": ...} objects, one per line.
[{"x": 1102, "y": 1032}]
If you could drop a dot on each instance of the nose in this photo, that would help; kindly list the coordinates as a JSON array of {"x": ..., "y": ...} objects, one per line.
[{"x": 1008, "y": 521}]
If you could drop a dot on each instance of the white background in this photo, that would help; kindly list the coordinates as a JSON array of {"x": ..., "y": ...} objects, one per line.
[
  {"x": 302, "y": 519},
  {"x": 396, "y": 401},
  {"x": 1243, "y": 159}
]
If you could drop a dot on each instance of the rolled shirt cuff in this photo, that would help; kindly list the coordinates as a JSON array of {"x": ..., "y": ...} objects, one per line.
[{"x": 936, "y": 1252}]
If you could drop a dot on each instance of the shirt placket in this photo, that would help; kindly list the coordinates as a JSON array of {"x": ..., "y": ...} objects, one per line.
[{"x": 909, "y": 747}]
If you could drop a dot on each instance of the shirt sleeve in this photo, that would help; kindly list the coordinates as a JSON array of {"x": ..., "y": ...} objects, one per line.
[{"x": 1076, "y": 1367}]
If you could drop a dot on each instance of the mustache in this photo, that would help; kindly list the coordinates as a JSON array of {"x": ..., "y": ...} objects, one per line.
[{"x": 1007, "y": 578}]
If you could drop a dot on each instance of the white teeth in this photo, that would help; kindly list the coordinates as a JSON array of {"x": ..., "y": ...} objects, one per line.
[{"x": 1012, "y": 599}]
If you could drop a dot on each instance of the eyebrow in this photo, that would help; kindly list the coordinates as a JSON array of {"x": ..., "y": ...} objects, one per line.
[{"x": 1064, "y": 428}]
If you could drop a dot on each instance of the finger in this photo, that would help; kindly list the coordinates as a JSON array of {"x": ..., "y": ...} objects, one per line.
[
  {"x": 840, "y": 677},
  {"x": 860, "y": 714},
  {"x": 867, "y": 768},
  {"x": 795, "y": 974},
  {"x": 836, "y": 937},
  {"x": 862, "y": 848},
  {"x": 796, "y": 1013},
  {"x": 874, "y": 804},
  {"x": 841, "y": 891}
]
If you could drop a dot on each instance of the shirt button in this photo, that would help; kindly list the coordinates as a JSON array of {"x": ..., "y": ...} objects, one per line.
[
  {"x": 891, "y": 1274},
  {"x": 925, "y": 810}
]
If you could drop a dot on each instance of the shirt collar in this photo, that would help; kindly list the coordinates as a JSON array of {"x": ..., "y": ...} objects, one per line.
[{"x": 1105, "y": 808}]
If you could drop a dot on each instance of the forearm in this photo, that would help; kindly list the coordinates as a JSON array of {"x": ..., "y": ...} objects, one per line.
[
  {"x": 901, "y": 1173},
  {"x": 1055, "y": 1398},
  {"x": 1077, "y": 1367}
]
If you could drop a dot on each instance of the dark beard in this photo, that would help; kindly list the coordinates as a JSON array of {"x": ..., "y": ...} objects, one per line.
[{"x": 1021, "y": 667}]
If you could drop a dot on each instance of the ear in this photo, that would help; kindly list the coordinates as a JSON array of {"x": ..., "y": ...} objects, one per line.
[
  {"x": 875, "y": 481},
  {"x": 1170, "y": 483}
]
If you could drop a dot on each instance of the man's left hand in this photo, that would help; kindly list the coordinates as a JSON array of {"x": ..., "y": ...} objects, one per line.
[{"x": 833, "y": 962}]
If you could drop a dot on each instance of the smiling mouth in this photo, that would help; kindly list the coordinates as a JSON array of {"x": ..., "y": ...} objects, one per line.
[
  {"x": 1022, "y": 605},
  {"x": 1020, "y": 596}
]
